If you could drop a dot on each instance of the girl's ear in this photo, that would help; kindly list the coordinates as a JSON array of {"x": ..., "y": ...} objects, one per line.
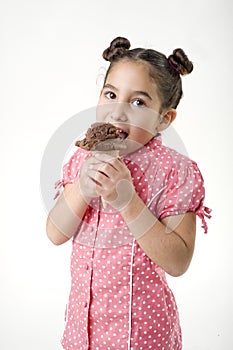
[{"x": 166, "y": 119}]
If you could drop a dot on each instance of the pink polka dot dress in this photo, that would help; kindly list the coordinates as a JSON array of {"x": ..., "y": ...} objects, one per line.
[{"x": 119, "y": 298}]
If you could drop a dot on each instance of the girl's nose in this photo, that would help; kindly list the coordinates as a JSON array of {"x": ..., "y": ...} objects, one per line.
[{"x": 119, "y": 112}]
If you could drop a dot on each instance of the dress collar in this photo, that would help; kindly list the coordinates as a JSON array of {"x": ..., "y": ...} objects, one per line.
[
  {"x": 150, "y": 146},
  {"x": 155, "y": 141}
]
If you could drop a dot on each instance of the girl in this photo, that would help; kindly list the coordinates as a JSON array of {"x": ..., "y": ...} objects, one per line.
[{"x": 119, "y": 296}]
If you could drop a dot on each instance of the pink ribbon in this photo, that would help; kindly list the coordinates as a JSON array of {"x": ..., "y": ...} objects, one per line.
[{"x": 202, "y": 213}]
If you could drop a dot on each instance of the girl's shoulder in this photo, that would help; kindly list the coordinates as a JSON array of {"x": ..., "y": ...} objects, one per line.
[
  {"x": 159, "y": 155},
  {"x": 183, "y": 184}
]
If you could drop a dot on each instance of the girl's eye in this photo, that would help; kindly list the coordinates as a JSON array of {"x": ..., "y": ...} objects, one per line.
[
  {"x": 138, "y": 102},
  {"x": 110, "y": 95}
]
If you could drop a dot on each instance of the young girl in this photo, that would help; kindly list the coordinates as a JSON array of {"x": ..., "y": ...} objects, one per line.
[{"x": 119, "y": 296}]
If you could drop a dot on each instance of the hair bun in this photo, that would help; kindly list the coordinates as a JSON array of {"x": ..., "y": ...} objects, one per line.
[
  {"x": 180, "y": 62},
  {"x": 118, "y": 47}
]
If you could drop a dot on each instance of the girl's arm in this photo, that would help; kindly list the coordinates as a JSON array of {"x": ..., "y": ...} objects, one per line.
[
  {"x": 169, "y": 243},
  {"x": 65, "y": 217}
]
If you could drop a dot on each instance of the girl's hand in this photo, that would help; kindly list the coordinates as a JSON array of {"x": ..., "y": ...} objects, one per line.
[{"x": 112, "y": 180}]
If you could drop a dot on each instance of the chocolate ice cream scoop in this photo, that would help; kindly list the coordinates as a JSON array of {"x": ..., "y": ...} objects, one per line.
[{"x": 103, "y": 137}]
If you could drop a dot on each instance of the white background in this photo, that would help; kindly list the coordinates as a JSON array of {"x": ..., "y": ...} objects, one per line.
[{"x": 50, "y": 58}]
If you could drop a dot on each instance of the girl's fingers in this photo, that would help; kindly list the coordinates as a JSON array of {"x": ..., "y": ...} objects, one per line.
[
  {"x": 102, "y": 179},
  {"x": 115, "y": 162},
  {"x": 106, "y": 175},
  {"x": 96, "y": 176},
  {"x": 103, "y": 157},
  {"x": 106, "y": 168}
]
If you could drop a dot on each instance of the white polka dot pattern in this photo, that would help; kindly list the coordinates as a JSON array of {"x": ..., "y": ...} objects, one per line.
[{"x": 98, "y": 310}]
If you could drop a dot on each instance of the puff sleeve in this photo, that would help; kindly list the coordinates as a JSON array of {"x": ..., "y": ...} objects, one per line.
[
  {"x": 184, "y": 192},
  {"x": 71, "y": 170}
]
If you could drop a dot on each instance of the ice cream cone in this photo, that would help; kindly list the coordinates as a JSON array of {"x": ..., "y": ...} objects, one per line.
[{"x": 103, "y": 138}]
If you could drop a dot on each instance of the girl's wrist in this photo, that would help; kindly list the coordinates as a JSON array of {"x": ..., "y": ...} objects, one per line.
[
  {"x": 133, "y": 208},
  {"x": 138, "y": 217},
  {"x": 125, "y": 193}
]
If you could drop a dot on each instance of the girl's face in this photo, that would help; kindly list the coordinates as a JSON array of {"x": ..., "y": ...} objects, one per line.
[{"x": 129, "y": 100}]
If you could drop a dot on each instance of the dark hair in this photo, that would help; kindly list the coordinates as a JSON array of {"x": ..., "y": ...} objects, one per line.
[{"x": 164, "y": 71}]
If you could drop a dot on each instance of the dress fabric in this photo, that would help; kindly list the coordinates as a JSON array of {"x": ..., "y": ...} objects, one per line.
[{"x": 119, "y": 298}]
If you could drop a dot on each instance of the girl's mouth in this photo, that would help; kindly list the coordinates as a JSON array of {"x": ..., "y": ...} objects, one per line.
[{"x": 122, "y": 133}]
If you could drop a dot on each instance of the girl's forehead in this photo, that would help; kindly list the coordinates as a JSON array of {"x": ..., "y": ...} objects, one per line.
[
  {"x": 135, "y": 72},
  {"x": 130, "y": 65}
]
